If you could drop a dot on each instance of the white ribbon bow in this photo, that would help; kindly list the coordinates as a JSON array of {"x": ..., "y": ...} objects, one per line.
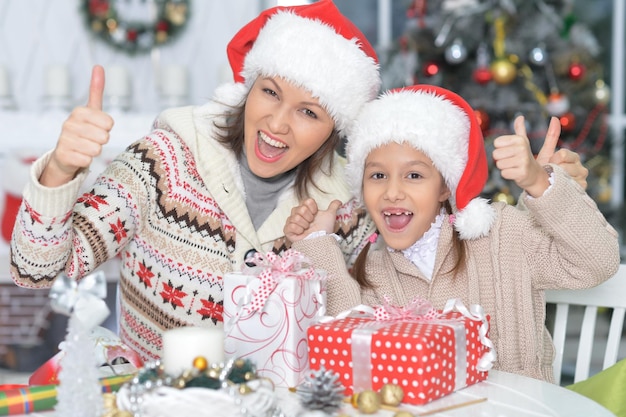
[{"x": 84, "y": 298}]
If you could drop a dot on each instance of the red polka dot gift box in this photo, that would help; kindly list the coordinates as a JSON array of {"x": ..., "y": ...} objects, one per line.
[
  {"x": 428, "y": 353},
  {"x": 267, "y": 310}
]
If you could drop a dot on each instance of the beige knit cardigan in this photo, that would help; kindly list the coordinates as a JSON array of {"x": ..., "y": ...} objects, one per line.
[{"x": 560, "y": 241}]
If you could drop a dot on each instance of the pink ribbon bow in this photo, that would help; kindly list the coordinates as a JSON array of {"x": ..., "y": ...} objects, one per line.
[
  {"x": 418, "y": 308},
  {"x": 275, "y": 268}
]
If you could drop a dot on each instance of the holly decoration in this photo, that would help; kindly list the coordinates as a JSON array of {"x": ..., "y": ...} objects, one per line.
[{"x": 136, "y": 26}]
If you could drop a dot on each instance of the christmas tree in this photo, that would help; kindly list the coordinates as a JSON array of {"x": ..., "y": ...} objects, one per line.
[{"x": 511, "y": 57}]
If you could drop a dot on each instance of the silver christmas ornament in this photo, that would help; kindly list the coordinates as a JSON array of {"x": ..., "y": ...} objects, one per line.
[
  {"x": 456, "y": 52},
  {"x": 538, "y": 56}
]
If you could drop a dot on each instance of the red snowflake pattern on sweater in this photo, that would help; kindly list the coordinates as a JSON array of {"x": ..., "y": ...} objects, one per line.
[
  {"x": 118, "y": 230},
  {"x": 145, "y": 275},
  {"x": 212, "y": 310},
  {"x": 93, "y": 200},
  {"x": 173, "y": 295}
]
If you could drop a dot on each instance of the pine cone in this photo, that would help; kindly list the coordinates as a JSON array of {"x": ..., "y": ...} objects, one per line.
[{"x": 321, "y": 390}]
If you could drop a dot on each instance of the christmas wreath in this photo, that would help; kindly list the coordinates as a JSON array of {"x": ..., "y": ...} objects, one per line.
[{"x": 136, "y": 25}]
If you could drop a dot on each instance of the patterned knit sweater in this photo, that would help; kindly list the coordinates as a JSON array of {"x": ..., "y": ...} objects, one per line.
[
  {"x": 172, "y": 208},
  {"x": 561, "y": 241}
]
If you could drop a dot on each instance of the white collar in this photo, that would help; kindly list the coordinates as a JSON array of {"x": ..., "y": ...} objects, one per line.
[{"x": 423, "y": 252}]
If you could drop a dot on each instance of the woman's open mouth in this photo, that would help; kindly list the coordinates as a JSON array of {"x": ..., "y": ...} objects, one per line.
[{"x": 268, "y": 149}]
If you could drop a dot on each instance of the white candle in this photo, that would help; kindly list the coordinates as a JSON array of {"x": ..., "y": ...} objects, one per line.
[
  {"x": 181, "y": 346},
  {"x": 174, "y": 81},
  {"x": 5, "y": 89},
  {"x": 117, "y": 82},
  {"x": 57, "y": 81}
]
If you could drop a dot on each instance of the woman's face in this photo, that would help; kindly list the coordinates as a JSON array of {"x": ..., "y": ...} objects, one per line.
[
  {"x": 284, "y": 125},
  {"x": 403, "y": 193}
]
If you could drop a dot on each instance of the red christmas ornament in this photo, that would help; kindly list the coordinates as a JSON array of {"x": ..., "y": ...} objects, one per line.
[
  {"x": 431, "y": 69},
  {"x": 162, "y": 26},
  {"x": 576, "y": 71},
  {"x": 131, "y": 35},
  {"x": 482, "y": 75},
  {"x": 99, "y": 7},
  {"x": 568, "y": 122},
  {"x": 483, "y": 119}
]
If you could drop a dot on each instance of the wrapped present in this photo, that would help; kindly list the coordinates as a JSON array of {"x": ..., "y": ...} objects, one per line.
[
  {"x": 28, "y": 399},
  {"x": 428, "y": 353},
  {"x": 267, "y": 310}
]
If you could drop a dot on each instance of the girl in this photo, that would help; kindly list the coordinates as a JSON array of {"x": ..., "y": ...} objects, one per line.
[{"x": 416, "y": 160}]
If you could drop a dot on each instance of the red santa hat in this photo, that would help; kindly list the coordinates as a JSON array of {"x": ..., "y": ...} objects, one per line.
[
  {"x": 443, "y": 126},
  {"x": 313, "y": 46}
]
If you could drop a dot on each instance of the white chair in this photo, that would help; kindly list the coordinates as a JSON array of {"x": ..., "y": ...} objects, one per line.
[{"x": 610, "y": 294}]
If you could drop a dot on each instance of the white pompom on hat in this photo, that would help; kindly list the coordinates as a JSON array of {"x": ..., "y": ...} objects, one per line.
[
  {"x": 443, "y": 126},
  {"x": 312, "y": 46}
]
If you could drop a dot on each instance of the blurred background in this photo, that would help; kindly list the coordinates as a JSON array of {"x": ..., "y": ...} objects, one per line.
[{"x": 542, "y": 58}]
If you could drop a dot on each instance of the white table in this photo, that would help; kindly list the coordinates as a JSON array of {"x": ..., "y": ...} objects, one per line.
[{"x": 508, "y": 395}]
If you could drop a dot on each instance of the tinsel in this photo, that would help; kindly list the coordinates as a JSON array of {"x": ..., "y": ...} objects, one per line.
[
  {"x": 230, "y": 388},
  {"x": 321, "y": 390}
]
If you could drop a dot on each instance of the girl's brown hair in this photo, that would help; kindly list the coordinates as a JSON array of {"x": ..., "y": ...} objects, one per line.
[
  {"x": 358, "y": 269},
  {"x": 232, "y": 136}
]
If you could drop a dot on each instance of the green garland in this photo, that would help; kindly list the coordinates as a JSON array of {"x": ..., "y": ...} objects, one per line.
[{"x": 119, "y": 31}]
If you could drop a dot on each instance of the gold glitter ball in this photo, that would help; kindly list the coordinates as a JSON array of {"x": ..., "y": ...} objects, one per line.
[
  {"x": 391, "y": 394},
  {"x": 368, "y": 402}
]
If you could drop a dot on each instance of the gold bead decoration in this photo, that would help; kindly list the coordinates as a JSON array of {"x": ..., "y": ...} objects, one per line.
[
  {"x": 244, "y": 389},
  {"x": 200, "y": 363},
  {"x": 391, "y": 394},
  {"x": 213, "y": 373},
  {"x": 249, "y": 376},
  {"x": 368, "y": 402},
  {"x": 353, "y": 400},
  {"x": 179, "y": 383}
]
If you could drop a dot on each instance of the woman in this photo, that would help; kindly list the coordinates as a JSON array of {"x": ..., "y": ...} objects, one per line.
[{"x": 209, "y": 185}]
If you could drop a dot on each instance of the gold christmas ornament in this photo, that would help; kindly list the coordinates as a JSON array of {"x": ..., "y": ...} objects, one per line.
[
  {"x": 503, "y": 70},
  {"x": 505, "y": 196},
  {"x": 200, "y": 363},
  {"x": 368, "y": 402},
  {"x": 602, "y": 92},
  {"x": 176, "y": 13},
  {"x": 391, "y": 394}
]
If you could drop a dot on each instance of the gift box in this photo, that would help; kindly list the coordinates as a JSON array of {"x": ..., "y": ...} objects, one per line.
[
  {"x": 28, "y": 399},
  {"x": 429, "y": 353},
  {"x": 267, "y": 310}
]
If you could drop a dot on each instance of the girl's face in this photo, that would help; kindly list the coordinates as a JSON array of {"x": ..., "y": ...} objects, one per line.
[
  {"x": 403, "y": 192},
  {"x": 284, "y": 125}
]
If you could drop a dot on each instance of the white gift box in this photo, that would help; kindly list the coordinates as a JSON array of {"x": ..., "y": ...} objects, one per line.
[{"x": 268, "y": 324}]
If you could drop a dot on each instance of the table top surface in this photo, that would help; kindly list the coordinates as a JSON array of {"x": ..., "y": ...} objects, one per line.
[{"x": 506, "y": 394}]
